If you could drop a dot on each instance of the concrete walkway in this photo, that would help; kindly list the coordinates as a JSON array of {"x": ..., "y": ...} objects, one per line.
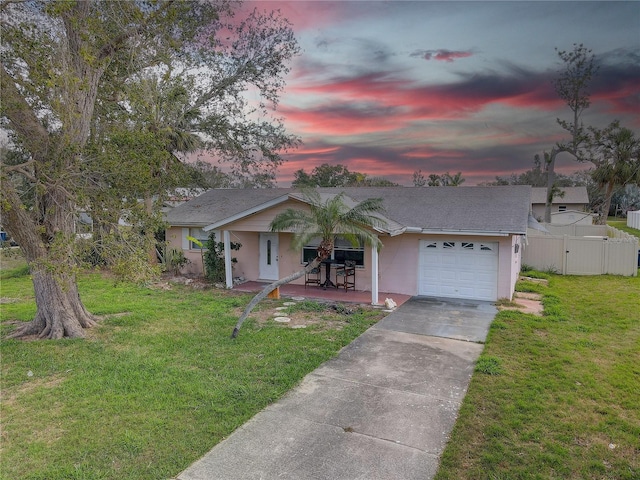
[{"x": 382, "y": 409}]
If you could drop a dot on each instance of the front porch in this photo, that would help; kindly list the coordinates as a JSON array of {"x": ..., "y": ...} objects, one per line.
[{"x": 330, "y": 294}]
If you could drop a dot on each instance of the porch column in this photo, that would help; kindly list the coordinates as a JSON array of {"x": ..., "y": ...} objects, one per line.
[
  {"x": 374, "y": 276},
  {"x": 227, "y": 259}
]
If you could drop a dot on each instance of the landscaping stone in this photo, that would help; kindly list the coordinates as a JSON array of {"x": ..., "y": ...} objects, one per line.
[
  {"x": 298, "y": 326},
  {"x": 288, "y": 304},
  {"x": 297, "y": 299},
  {"x": 528, "y": 295},
  {"x": 541, "y": 281},
  {"x": 282, "y": 319},
  {"x": 282, "y": 308}
]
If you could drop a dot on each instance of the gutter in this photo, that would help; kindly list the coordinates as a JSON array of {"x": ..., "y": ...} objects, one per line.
[{"x": 430, "y": 231}]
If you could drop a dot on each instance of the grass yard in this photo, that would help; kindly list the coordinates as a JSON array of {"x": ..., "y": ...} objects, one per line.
[
  {"x": 556, "y": 397},
  {"x": 621, "y": 224},
  {"x": 156, "y": 384}
]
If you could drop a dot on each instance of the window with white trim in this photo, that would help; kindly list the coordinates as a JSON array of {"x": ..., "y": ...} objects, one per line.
[
  {"x": 342, "y": 251},
  {"x": 200, "y": 235},
  {"x": 562, "y": 208}
]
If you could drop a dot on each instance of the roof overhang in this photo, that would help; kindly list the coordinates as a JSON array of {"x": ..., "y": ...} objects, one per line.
[
  {"x": 246, "y": 213},
  {"x": 477, "y": 233}
]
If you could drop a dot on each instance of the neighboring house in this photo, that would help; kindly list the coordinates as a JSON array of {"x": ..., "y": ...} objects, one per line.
[
  {"x": 574, "y": 198},
  {"x": 460, "y": 242}
]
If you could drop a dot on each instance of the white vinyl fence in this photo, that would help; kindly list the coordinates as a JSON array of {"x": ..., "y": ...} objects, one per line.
[
  {"x": 575, "y": 250},
  {"x": 633, "y": 219}
]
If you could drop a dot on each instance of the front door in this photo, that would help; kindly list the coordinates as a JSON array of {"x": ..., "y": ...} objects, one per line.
[{"x": 269, "y": 256}]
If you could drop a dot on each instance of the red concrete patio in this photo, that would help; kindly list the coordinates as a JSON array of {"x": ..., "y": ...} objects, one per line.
[{"x": 332, "y": 294}]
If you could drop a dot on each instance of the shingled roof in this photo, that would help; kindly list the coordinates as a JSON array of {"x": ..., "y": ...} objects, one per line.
[
  {"x": 571, "y": 195},
  {"x": 502, "y": 209}
]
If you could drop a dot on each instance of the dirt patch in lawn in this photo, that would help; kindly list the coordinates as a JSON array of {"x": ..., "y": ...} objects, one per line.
[{"x": 302, "y": 314}]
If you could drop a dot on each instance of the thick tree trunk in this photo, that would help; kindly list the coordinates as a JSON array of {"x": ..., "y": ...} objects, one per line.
[
  {"x": 60, "y": 313},
  {"x": 606, "y": 205}
]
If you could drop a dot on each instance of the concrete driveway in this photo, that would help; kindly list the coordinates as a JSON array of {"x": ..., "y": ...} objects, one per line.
[
  {"x": 382, "y": 409},
  {"x": 467, "y": 320}
]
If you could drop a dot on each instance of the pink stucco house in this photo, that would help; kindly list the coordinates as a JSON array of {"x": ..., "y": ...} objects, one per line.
[{"x": 457, "y": 242}]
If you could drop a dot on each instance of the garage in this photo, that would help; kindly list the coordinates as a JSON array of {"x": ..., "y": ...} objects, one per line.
[{"x": 458, "y": 269}]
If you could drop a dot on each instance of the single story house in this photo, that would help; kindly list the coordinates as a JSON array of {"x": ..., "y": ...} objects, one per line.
[
  {"x": 459, "y": 242},
  {"x": 574, "y": 198}
]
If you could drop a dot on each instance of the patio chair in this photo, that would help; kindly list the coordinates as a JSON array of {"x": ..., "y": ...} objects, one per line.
[
  {"x": 346, "y": 275},
  {"x": 312, "y": 277}
]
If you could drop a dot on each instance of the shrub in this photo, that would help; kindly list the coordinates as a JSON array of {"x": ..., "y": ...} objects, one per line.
[
  {"x": 176, "y": 260},
  {"x": 214, "y": 258}
]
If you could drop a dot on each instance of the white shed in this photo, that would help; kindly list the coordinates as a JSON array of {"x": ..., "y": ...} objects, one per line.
[{"x": 572, "y": 217}]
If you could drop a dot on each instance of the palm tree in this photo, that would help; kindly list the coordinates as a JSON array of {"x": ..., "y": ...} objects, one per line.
[
  {"x": 328, "y": 219},
  {"x": 456, "y": 180},
  {"x": 615, "y": 153}
]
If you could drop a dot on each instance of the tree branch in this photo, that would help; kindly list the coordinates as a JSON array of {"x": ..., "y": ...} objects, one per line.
[
  {"x": 117, "y": 43},
  {"x": 22, "y": 117},
  {"x": 19, "y": 169}
]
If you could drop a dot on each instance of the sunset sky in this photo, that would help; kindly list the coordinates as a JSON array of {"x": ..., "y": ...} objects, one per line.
[{"x": 387, "y": 88}]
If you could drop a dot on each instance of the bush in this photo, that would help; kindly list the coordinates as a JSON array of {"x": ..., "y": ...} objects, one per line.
[
  {"x": 176, "y": 260},
  {"x": 214, "y": 258}
]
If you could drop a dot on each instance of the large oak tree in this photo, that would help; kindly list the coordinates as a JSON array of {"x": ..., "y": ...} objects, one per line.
[{"x": 68, "y": 74}]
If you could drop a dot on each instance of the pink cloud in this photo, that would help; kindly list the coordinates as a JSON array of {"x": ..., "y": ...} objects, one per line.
[
  {"x": 302, "y": 15},
  {"x": 445, "y": 55}
]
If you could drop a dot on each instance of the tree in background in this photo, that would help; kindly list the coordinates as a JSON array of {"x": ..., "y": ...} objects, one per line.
[
  {"x": 326, "y": 175},
  {"x": 327, "y": 220},
  {"x": 537, "y": 177},
  {"x": 571, "y": 84},
  {"x": 418, "y": 179},
  {"x": 455, "y": 180},
  {"x": 67, "y": 81},
  {"x": 615, "y": 153},
  {"x": 434, "y": 180}
]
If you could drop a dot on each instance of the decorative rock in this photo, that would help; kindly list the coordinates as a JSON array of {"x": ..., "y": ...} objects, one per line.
[
  {"x": 297, "y": 299},
  {"x": 288, "y": 304},
  {"x": 282, "y": 319},
  {"x": 389, "y": 303},
  {"x": 282, "y": 308},
  {"x": 298, "y": 326}
]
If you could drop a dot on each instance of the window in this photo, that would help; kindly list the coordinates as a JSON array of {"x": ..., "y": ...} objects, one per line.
[
  {"x": 200, "y": 235},
  {"x": 342, "y": 251},
  {"x": 446, "y": 245},
  {"x": 467, "y": 246},
  {"x": 432, "y": 245},
  {"x": 562, "y": 208}
]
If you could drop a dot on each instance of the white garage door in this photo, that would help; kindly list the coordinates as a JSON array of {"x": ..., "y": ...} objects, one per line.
[{"x": 458, "y": 269}]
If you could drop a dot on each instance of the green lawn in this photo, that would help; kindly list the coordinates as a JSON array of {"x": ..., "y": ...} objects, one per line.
[
  {"x": 159, "y": 382},
  {"x": 621, "y": 224},
  {"x": 556, "y": 397},
  {"x": 156, "y": 384}
]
